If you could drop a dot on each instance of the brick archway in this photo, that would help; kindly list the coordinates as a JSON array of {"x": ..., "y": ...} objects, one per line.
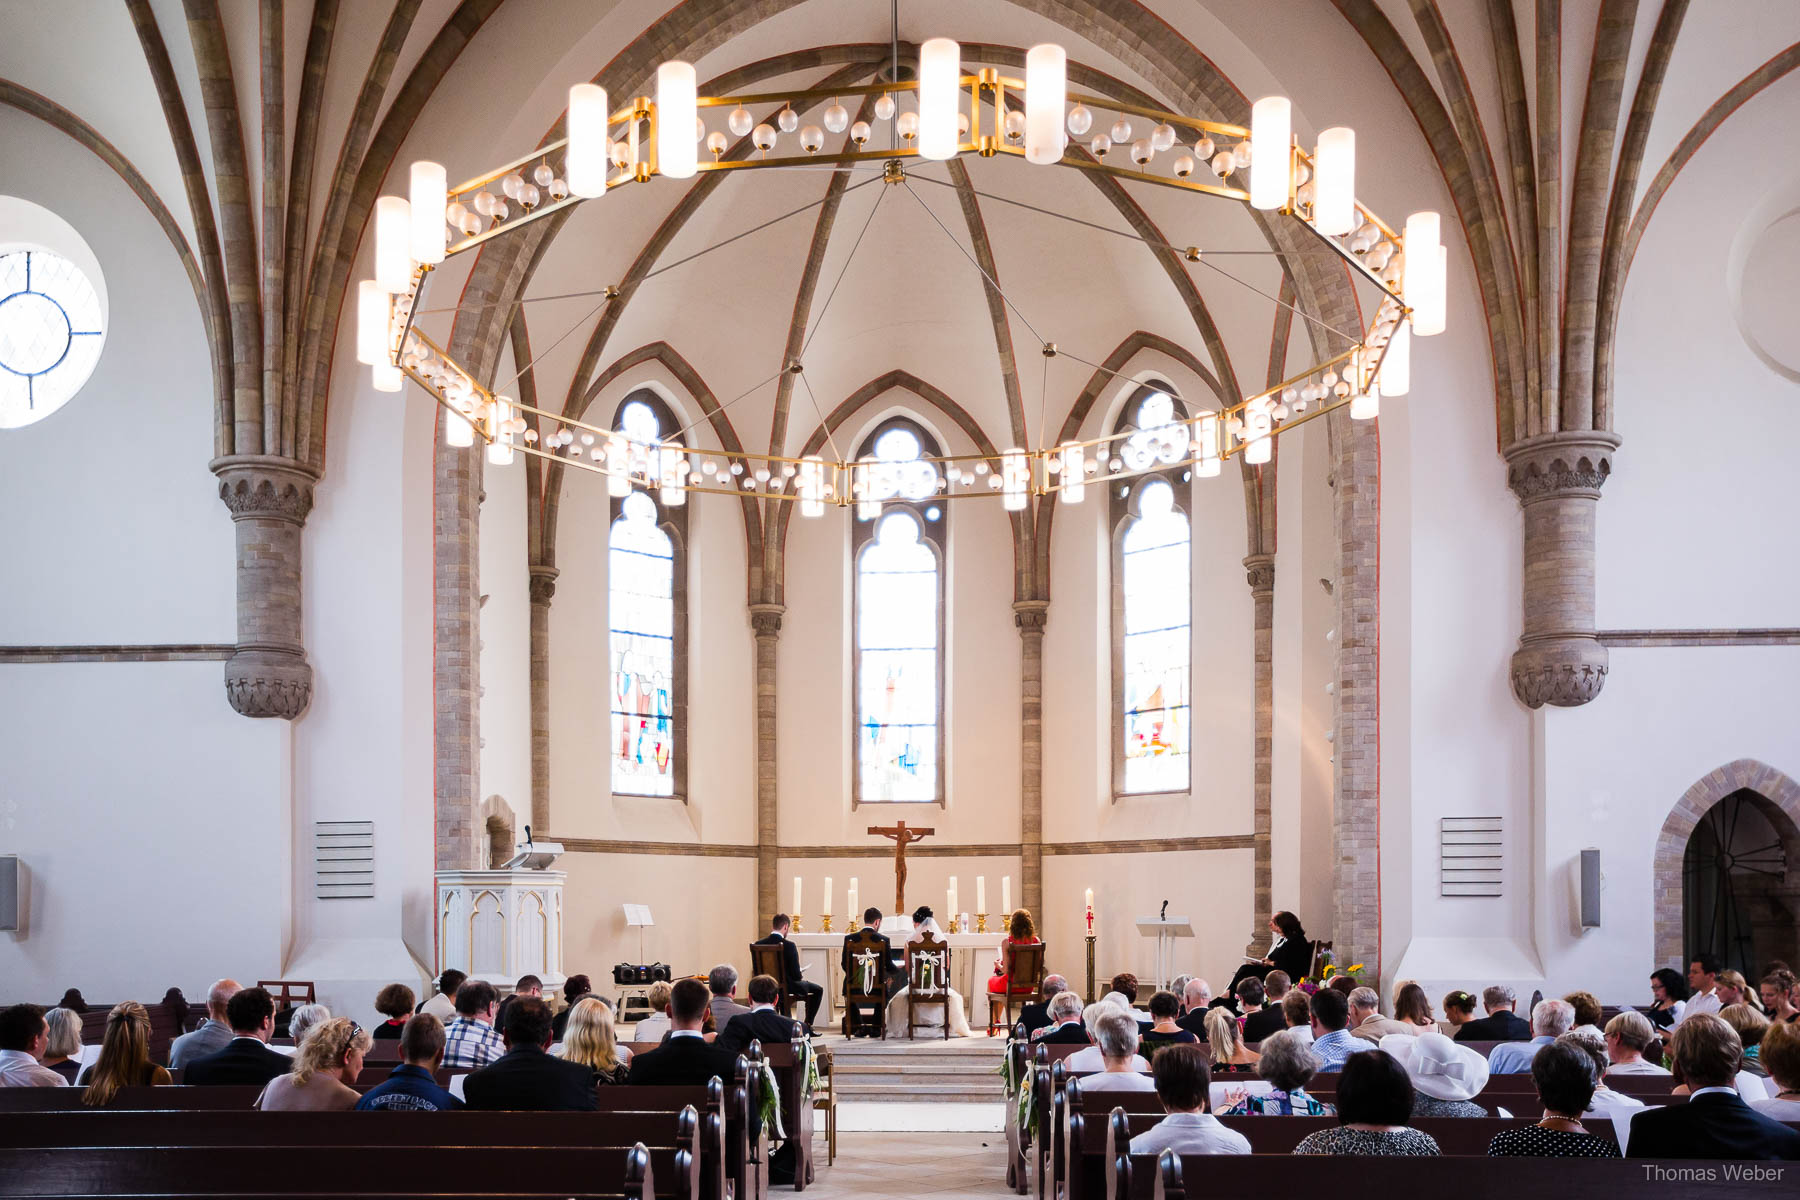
[{"x": 1671, "y": 844}]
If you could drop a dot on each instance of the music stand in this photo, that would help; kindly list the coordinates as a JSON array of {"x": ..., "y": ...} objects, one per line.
[{"x": 1165, "y": 930}]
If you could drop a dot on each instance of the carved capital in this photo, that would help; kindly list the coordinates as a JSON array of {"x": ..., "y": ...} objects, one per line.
[
  {"x": 765, "y": 619},
  {"x": 543, "y": 584},
  {"x": 1564, "y": 671},
  {"x": 1031, "y": 615},
  {"x": 255, "y": 486},
  {"x": 1259, "y": 573},
  {"x": 1575, "y": 463},
  {"x": 266, "y": 682}
]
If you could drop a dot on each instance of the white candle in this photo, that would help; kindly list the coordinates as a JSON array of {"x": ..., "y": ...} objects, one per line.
[
  {"x": 797, "y": 895},
  {"x": 1090, "y": 898},
  {"x": 855, "y": 912},
  {"x": 952, "y": 905},
  {"x": 981, "y": 894},
  {"x": 825, "y": 904},
  {"x": 1006, "y": 895}
]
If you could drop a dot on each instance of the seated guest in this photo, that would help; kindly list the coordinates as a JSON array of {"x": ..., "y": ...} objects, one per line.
[
  {"x": 412, "y": 1086},
  {"x": 1735, "y": 989},
  {"x": 1668, "y": 997},
  {"x": 526, "y": 1078},
  {"x": 1296, "y": 1010},
  {"x": 23, "y": 1036},
  {"x": 305, "y": 1019},
  {"x": 1116, "y": 1038},
  {"x": 1748, "y": 1022},
  {"x": 1628, "y": 1036},
  {"x": 1184, "y": 1085},
  {"x": 1289, "y": 951},
  {"x": 1549, "y": 1021},
  {"x": 1703, "y": 986},
  {"x": 1126, "y": 985},
  {"x": 246, "y": 1059},
  {"x": 1412, "y": 1010},
  {"x": 1178, "y": 985},
  {"x": 1332, "y": 1041},
  {"x": 1019, "y": 932},
  {"x": 762, "y": 1023},
  {"x": 1259, "y": 1018},
  {"x": 213, "y": 1033},
  {"x": 1501, "y": 1024},
  {"x": 395, "y": 1002},
  {"x": 124, "y": 1057},
  {"x": 1229, "y": 1054},
  {"x": 325, "y": 1066},
  {"x": 1091, "y": 1058},
  {"x": 722, "y": 982},
  {"x": 574, "y": 988},
  {"x": 1343, "y": 983},
  {"x": 1565, "y": 1081},
  {"x": 528, "y": 985},
  {"x": 442, "y": 1002},
  {"x": 590, "y": 1041},
  {"x": 1066, "y": 1029},
  {"x": 1781, "y": 1057},
  {"x": 470, "y": 1040},
  {"x": 1778, "y": 989},
  {"x": 1605, "y": 1102},
  {"x": 1715, "y": 1122},
  {"x": 1196, "y": 998},
  {"x": 655, "y": 1027},
  {"x": 1288, "y": 1064},
  {"x": 686, "y": 1057},
  {"x": 1587, "y": 1011},
  {"x": 1446, "y": 1077},
  {"x": 1036, "y": 1015},
  {"x": 1366, "y": 1021},
  {"x": 62, "y": 1049},
  {"x": 811, "y": 994},
  {"x": 1163, "y": 1030},
  {"x": 1374, "y": 1103},
  {"x": 1459, "y": 1010}
]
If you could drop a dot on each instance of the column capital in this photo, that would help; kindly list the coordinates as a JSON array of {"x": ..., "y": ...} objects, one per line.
[
  {"x": 765, "y": 619},
  {"x": 268, "y": 681},
  {"x": 1031, "y": 615},
  {"x": 543, "y": 583},
  {"x": 261, "y": 486},
  {"x": 1572, "y": 463},
  {"x": 1259, "y": 573}
]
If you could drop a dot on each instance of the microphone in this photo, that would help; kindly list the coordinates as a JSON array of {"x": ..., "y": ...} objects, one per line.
[
  {"x": 1165, "y": 912},
  {"x": 528, "y": 835}
]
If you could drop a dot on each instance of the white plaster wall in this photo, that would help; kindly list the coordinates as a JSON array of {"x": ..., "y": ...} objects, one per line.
[
  {"x": 675, "y": 887},
  {"x": 505, "y": 769}
]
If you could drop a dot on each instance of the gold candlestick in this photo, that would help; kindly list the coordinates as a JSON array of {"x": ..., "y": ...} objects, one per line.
[
  {"x": 980, "y": 922},
  {"x": 797, "y": 925},
  {"x": 953, "y": 928},
  {"x": 825, "y": 923}
]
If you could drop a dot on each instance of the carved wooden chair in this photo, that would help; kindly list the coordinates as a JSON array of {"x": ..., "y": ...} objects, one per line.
[
  {"x": 1024, "y": 979},
  {"x": 1319, "y": 950},
  {"x": 865, "y": 982},
  {"x": 927, "y": 980},
  {"x": 766, "y": 958}
]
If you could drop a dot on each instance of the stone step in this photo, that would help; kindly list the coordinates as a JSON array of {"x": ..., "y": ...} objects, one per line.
[
  {"x": 918, "y": 1061},
  {"x": 912, "y": 1093},
  {"x": 896, "y": 1071}
]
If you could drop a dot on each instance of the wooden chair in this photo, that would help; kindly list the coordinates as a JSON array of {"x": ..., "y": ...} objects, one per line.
[
  {"x": 766, "y": 958},
  {"x": 927, "y": 980},
  {"x": 825, "y": 1100},
  {"x": 1024, "y": 979},
  {"x": 865, "y": 983},
  {"x": 286, "y": 992},
  {"x": 1317, "y": 964}
]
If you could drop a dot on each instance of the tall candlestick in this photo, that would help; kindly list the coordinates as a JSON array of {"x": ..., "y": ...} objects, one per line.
[
  {"x": 797, "y": 895},
  {"x": 825, "y": 904},
  {"x": 981, "y": 895},
  {"x": 1006, "y": 894}
]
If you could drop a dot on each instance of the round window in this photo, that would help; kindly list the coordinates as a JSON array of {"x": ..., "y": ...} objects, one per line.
[{"x": 51, "y": 330}]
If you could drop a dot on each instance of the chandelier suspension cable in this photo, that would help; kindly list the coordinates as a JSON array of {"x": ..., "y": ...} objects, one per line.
[{"x": 819, "y": 320}]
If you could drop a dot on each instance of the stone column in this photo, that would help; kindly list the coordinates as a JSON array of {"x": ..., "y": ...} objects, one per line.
[
  {"x": 1557, "y": 478},
  {"x": 269, "y": 498},
  {"x": 1260, "y": 573},
  {"x": 765, "y": 623},
  {"x": 1031, "y": 616},
  {"x": 1356, "y": 721},
  {"x": 456, "y": 656},
  {"x": 543, "y": 587}
]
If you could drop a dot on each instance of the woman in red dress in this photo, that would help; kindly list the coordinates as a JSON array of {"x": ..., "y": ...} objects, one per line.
[{"x": 1019, "y": 932}]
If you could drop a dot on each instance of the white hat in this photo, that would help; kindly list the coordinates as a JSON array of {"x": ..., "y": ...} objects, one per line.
[{"x": 1437, "y": 1066}]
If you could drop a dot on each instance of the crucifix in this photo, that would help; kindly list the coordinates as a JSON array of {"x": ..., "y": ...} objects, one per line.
[{"x": 902, "y": 838}]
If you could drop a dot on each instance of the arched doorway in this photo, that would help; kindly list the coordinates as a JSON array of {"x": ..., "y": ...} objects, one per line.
[{"x": 1727, "y": 870}]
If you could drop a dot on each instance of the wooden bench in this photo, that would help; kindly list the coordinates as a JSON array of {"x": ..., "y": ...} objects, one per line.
[{"x": 168, "y": 1021}]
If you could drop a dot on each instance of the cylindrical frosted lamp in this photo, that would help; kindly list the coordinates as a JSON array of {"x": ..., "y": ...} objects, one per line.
[
  {"x": 374, "y": 308},
  {"x": 393, "y": 243},
  {"x": 589, "y": 153},
  {"x": 1396, "y": 364},
  {"x": 940, "y": 69},
  {"x": 430, "y": 196},
  {"x": 1046, "y": 91},
  {"x": 1422, "y": 282},
  {"x": 388, "y": 377},
  {"x": 1074, "y": 474},
  {"x": 675, "y": 116},
  {"x": 458, "y": 431},
  {"x": 500, "y": 451},
  {"x": 1271, "y": 129},
  {"x": 1334, "y": 181},
  {"x": 1206, "y": 432},
  {"x": 1365, "y": 405}
]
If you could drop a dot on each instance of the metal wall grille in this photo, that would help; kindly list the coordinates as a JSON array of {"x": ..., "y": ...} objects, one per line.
[
  {"x": 344, "y": 860},
  {"x": 1470, "y": 856}
]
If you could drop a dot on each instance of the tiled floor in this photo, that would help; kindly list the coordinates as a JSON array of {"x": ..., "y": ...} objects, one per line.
[{"x": 889, "y": 1166}]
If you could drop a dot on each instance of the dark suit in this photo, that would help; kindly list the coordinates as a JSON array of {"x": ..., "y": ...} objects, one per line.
[
  {"x": 683, "y": 1060},
  {"x": 1034, "y": 1017},
  {"x": 244, "y": 1060},
  {"x": 525, "y": 1079},
  {"x": 1495, "y": 1027},
  {"x": 811, "y": 993},
  {"x": 893, "y": 978},
  {"x": 1195, "y": 1021},
  {"x": 764, "y": 1024},
  {"x": 1071, "y": 1034},
  {"x": 1267, "y": 1023},
  {"x": 1716, "y": 1125},
  {"x": 1293, "y": 957}
]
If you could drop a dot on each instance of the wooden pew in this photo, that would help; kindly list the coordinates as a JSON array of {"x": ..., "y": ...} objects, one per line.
[
  {"x": 167, "y": 1022},
  {"x": 1018, "y": 1138}
]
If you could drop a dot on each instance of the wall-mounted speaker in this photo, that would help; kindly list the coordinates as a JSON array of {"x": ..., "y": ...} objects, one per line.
[
  {"x": 12, "y": 902},
  {"x": 1590, "y": 889}
]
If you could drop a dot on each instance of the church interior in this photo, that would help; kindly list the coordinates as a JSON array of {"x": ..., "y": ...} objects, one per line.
[{"x": 457, "y": 520}]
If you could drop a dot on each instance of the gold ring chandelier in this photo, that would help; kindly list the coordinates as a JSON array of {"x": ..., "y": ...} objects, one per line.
[{"x": 606, "y": 149}]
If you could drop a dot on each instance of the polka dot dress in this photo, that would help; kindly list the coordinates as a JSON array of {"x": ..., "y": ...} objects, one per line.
[{"x": 1534, "y": 1141}]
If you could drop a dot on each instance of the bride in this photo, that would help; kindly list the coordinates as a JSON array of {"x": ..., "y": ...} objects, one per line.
[{"x": 930, "y": 1017}]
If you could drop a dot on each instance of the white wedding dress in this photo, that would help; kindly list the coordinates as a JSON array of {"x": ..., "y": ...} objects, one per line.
[{"x": 930, "y": 1021}]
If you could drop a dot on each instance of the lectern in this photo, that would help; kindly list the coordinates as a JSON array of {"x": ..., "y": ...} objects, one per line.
[
  {"x": 1165, "y": 930},
  {"x": 499, "y": 925}
]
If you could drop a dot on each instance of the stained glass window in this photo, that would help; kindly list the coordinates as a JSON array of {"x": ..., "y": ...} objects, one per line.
[
  {"x": 644, "y": 624},
  {"x": 50, "y": 334},
  {"x": 899, "y": 619}
]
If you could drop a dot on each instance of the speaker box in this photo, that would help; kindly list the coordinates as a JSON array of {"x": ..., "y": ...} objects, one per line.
[
  {"x": 1590, "y": 889},
  {"x": 10, "y": 899}
]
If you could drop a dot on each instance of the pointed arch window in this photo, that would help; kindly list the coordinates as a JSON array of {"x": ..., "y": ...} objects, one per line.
[
  {"x": 1152, "y": 587},
  {"x": 898, "y": 595},
  {"x": 647, "y": 624}
]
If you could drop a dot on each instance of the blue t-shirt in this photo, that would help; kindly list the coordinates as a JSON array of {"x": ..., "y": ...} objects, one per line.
[{"x": 408, "y": 1089}]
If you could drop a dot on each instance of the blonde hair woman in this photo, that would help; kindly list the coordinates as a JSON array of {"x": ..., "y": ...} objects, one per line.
[
  {"x": 1228, "y": 1050},
  {"x": 325, "y": 1066},
  {"x": 1733, "y": 988},
  {"x": 124, "y": 1057},
  {"x": 589, "y": 1040},
  {"x": 62, "y": 1053},
  {"x": 653, "y": 1027}
]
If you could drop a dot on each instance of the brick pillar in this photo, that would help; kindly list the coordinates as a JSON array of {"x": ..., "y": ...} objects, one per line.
[
  {"x": 765, "y": 623},
  {"x": 456, "y": 656},
  {"x": 1031, "y": 616},
  {"x": 269, "y": 498},
  {"x": 1260, "y": 573},
  {"x": 1557, "y": 478},
  {"x": 1356, "y": 721},
  {"x": 543, "y": 587}
]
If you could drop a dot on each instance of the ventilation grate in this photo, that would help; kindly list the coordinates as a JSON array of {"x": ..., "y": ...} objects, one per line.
[
  {"x": 344, "y": 860},
  {"x": 1470, "y": 856}
]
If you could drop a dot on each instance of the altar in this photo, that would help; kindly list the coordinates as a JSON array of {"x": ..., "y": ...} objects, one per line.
[{"x": 972, "y": 958}]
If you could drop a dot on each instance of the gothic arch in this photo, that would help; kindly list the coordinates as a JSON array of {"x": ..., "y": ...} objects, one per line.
[{"x": 1779, "y": 789}]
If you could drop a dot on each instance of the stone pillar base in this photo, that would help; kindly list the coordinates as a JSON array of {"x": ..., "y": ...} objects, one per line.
[
  {"x": 268, "y": 682},
  {"x": 1565, "y": 672}
]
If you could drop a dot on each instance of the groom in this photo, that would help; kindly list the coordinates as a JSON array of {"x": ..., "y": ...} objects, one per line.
[{"x": 811, "y": 993}]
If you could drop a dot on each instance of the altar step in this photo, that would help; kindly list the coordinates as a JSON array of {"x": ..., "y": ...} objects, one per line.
[{"x": 960, "y": 1071}]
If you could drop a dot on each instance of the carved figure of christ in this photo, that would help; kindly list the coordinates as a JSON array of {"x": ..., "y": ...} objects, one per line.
[{"x": 902, "y": 837}]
